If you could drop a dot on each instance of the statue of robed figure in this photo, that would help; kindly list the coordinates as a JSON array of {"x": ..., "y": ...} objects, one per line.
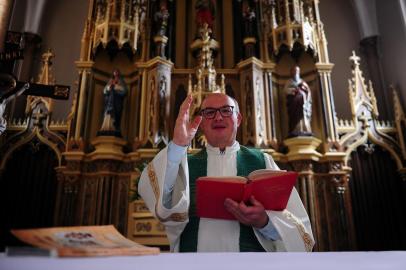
[
  {"x": 114, "y": 93},
  {"x": 299, "y": 105}
]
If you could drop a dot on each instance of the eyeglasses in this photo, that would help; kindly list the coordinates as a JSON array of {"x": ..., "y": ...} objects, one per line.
[{"x": 210, "y": 113}]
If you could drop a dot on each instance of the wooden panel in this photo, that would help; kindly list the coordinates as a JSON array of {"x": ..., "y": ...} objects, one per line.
[
  {"x": 28, "y": 190},
  {"x": 378, "y": 201},
  {"x": 143, "y": 228}
]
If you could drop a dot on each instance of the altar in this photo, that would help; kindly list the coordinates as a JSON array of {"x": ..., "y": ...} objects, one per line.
[{"x": 392, "y": 260}]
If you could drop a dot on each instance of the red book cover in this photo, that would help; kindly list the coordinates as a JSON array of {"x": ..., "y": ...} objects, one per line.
[{"x": 271, "y": 188}]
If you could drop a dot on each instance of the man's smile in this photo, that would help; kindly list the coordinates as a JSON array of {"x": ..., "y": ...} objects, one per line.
[{"x": 219, "y": 126}]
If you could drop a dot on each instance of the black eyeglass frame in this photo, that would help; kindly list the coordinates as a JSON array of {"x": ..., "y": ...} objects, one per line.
[{"x": 202, "y": 111}]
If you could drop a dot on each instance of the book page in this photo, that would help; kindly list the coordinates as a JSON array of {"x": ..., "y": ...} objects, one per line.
[
  {"x": 264, "y": 173},
  {"x": 83, "y": 241},
  {"x": 231, "y": 179}
]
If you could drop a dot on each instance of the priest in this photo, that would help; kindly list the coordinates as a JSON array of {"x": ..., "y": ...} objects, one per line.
[{"x": 167, "y": 186}]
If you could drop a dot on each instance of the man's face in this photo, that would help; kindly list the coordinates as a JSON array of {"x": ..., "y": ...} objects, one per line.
[{"x": 220, "y": 131}]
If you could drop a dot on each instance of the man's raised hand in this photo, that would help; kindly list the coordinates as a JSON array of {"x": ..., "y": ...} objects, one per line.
[{"x": 185, "y": 130}]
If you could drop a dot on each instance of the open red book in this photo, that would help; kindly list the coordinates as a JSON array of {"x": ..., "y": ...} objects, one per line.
[{"x": 272, "y": 188}]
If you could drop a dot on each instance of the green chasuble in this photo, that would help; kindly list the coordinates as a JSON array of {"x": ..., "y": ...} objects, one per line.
[{"x": 248, "y": 160}]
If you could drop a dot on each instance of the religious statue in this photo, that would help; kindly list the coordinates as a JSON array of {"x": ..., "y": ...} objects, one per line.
[
  {"x": 3, "y": 122},
  {"x": 249, "y": 20},
  {"x": 259, "y": 109},
  {"x": 299, "y": 105},
  {"x": 205, "y": 12},
  {"x": 162, "y": 109},
  {"x": 114, "y": 93},
  {"x": 249, "y": 101},
  {"x": 8, "y": 92},
  {"x": 161, "y": 18},
  {"x": 153, "y": 114}
]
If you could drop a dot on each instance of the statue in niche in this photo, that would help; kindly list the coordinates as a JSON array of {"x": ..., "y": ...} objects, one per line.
[
  {"x": 3, "y": 122},
  {"x": 299, "y": 105},
  {"x": 248, "y": 15},
  {"x": 161, "y": 18},
  {"x": 259, "y": 109},
  {"x": 162, "y": 109},
  {"x": 152, "y": 109},
  {"x": 249, "y": 101},
  {"x": 205, "y": 12},
  {"x": 114, "y": 93}
]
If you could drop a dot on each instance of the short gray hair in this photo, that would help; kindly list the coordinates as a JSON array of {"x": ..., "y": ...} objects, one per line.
[{"x": 237, "y": 107}]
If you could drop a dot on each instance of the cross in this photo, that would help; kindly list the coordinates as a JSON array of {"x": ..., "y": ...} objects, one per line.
[
  {"x": 9, "y": 87},
  {"x": 47, "y": 56},
  {"x": 354, "y": 58}
]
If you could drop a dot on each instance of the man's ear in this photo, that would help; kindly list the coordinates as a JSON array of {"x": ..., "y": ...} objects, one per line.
[{"x": 239, "y": 119}]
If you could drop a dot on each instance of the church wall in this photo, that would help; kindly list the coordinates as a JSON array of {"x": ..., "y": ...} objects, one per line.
[
  {"x": 17, "y": 15},
  {"x": 61, "y": 30},
  {"x": 342, "y": 35},
  {"x": 393, "y": 44}
]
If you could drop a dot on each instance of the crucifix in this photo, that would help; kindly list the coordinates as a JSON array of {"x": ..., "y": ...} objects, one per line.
[{"x": 10, "y": 88}]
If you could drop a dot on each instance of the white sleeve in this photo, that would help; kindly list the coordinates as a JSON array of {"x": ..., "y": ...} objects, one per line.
[
  {"x": 151, "y": 187},
  {"x": 293, "y": 224},
  {"x": 175, "y": 155}
]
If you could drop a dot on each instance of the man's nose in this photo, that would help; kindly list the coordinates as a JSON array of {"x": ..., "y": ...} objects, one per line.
[{"x": 218, "y": 115}]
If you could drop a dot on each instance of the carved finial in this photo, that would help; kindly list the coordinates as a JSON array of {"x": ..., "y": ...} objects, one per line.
[
  {"x": 190, "y": 87},
  {"x": 47, "y": 56},
  {"x": 205, "y": 32},
  {"x": 205, "y": 71},
  {"x": 223, "y": 84},
  {"x": 45, "y": 76},
  {"x": 355, "y": 59}
]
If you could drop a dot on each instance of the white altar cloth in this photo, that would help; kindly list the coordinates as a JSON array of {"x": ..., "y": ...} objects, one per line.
[{"x": 203, "y": 261}]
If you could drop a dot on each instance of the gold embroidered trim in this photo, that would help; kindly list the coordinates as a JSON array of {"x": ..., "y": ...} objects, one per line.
[
  {"x": 177, "y": 217},
  {"x": 153, "y": 179},
  {"x": 307, "y": 240}
]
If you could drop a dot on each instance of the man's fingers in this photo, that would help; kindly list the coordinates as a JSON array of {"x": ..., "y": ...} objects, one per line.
[
  {"x": 186, "y": 104},
  {"x": 230, "y": 203},
  {"x": 248, "y": 210},
  {"x": 196, "y": 122},
  {"x": 249, "y": 215},
  {"x": 231, "y": 206},
  {"x": 255, "y": 202},
  {"x": 183, "y": 115},
  {"x": 234, "y": 208},
  {"x": 238, "y": 215}
]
